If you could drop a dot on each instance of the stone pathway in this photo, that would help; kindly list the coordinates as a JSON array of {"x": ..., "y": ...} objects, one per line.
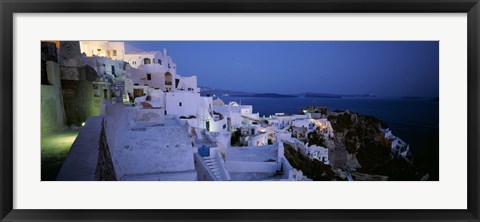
[{"x": 54, "y": 150}]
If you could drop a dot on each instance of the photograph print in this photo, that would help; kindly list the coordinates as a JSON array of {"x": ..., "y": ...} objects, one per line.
[{"x": 239, "y": 110}]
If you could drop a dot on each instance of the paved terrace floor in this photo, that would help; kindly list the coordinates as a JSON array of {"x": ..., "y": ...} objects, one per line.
[
  {"x": 54, "y": 149},
  {"x": 153, "y": 150}
]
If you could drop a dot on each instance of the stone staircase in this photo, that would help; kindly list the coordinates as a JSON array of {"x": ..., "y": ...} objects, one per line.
[{"x": 214, "y": 167}]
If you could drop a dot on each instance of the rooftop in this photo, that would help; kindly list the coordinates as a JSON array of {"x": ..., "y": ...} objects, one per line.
[
  {"x": 252, "y": 154},
  {"x": 153, "y": 149}
]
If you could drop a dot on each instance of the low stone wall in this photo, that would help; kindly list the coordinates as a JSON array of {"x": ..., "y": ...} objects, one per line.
[
  {"x": 253, "y": 167},
  {"x": 287, "y": 169},
  {"x": 89, "y": 158},
  {"x": 81, "y": 162}
]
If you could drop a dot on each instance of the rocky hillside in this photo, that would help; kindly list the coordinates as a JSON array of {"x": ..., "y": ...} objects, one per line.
[
  {"x": 359, "y": 144},
  {"x": 360, "y": 137},
  {"x": 311, "y": 168}
]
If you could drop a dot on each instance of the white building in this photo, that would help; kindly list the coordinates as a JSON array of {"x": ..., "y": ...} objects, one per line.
[
  {"x": 237, "y": 115},
  {"x": 388, "y": 133},
  {"x": 399, "y": 147},
  {"x": 254, "y": 136},
  {"x": 136, "y": 59},
  {"x": 317, "y": 152},
  {"x": 154, "y": 74},
  {"x": 111, "y": 50},
  {"x": 281, "y": 120},
  {"x": 147, "y": 69},
  {"x": 105, "y": 66},
  {"x": 323, "y": 125}
]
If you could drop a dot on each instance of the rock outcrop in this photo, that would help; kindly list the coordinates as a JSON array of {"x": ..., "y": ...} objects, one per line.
[{"x": 358, "y": 142}]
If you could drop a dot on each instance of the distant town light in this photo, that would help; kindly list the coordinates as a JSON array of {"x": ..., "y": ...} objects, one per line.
[{"x": 83, "y": 124}]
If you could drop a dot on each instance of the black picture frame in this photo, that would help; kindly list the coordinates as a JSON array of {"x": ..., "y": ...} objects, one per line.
[{"x": 9, "y": 7}]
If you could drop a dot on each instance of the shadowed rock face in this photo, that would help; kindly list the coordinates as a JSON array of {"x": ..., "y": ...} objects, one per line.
[
  {"x": 311, "y": 168},
  {"x": 359, "y": 143},
  {"x": 105, "y": 170}
]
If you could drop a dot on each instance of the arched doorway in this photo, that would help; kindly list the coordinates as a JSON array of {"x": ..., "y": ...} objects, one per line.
[
  {"x": 147, "y": 61},
  {"x": 168, "y": 79}
]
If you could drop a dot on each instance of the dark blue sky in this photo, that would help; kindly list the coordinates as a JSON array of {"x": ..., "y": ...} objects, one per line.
[{"x": 388, "y": 68}]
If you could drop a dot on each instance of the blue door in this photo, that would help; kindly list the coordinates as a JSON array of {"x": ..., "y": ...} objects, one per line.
[{"x": 204, "y": 151}]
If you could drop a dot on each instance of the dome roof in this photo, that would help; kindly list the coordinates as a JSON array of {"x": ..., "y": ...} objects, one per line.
[
  {"x": 233, "y": 103},
  {"x": 218, "y": 102}
]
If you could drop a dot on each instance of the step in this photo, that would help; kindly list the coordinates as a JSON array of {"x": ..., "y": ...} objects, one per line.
[{"x": 215, "y": 170}]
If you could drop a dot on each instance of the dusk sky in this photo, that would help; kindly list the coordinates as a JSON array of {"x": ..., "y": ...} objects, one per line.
[{"x": 393, "y": 68}]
